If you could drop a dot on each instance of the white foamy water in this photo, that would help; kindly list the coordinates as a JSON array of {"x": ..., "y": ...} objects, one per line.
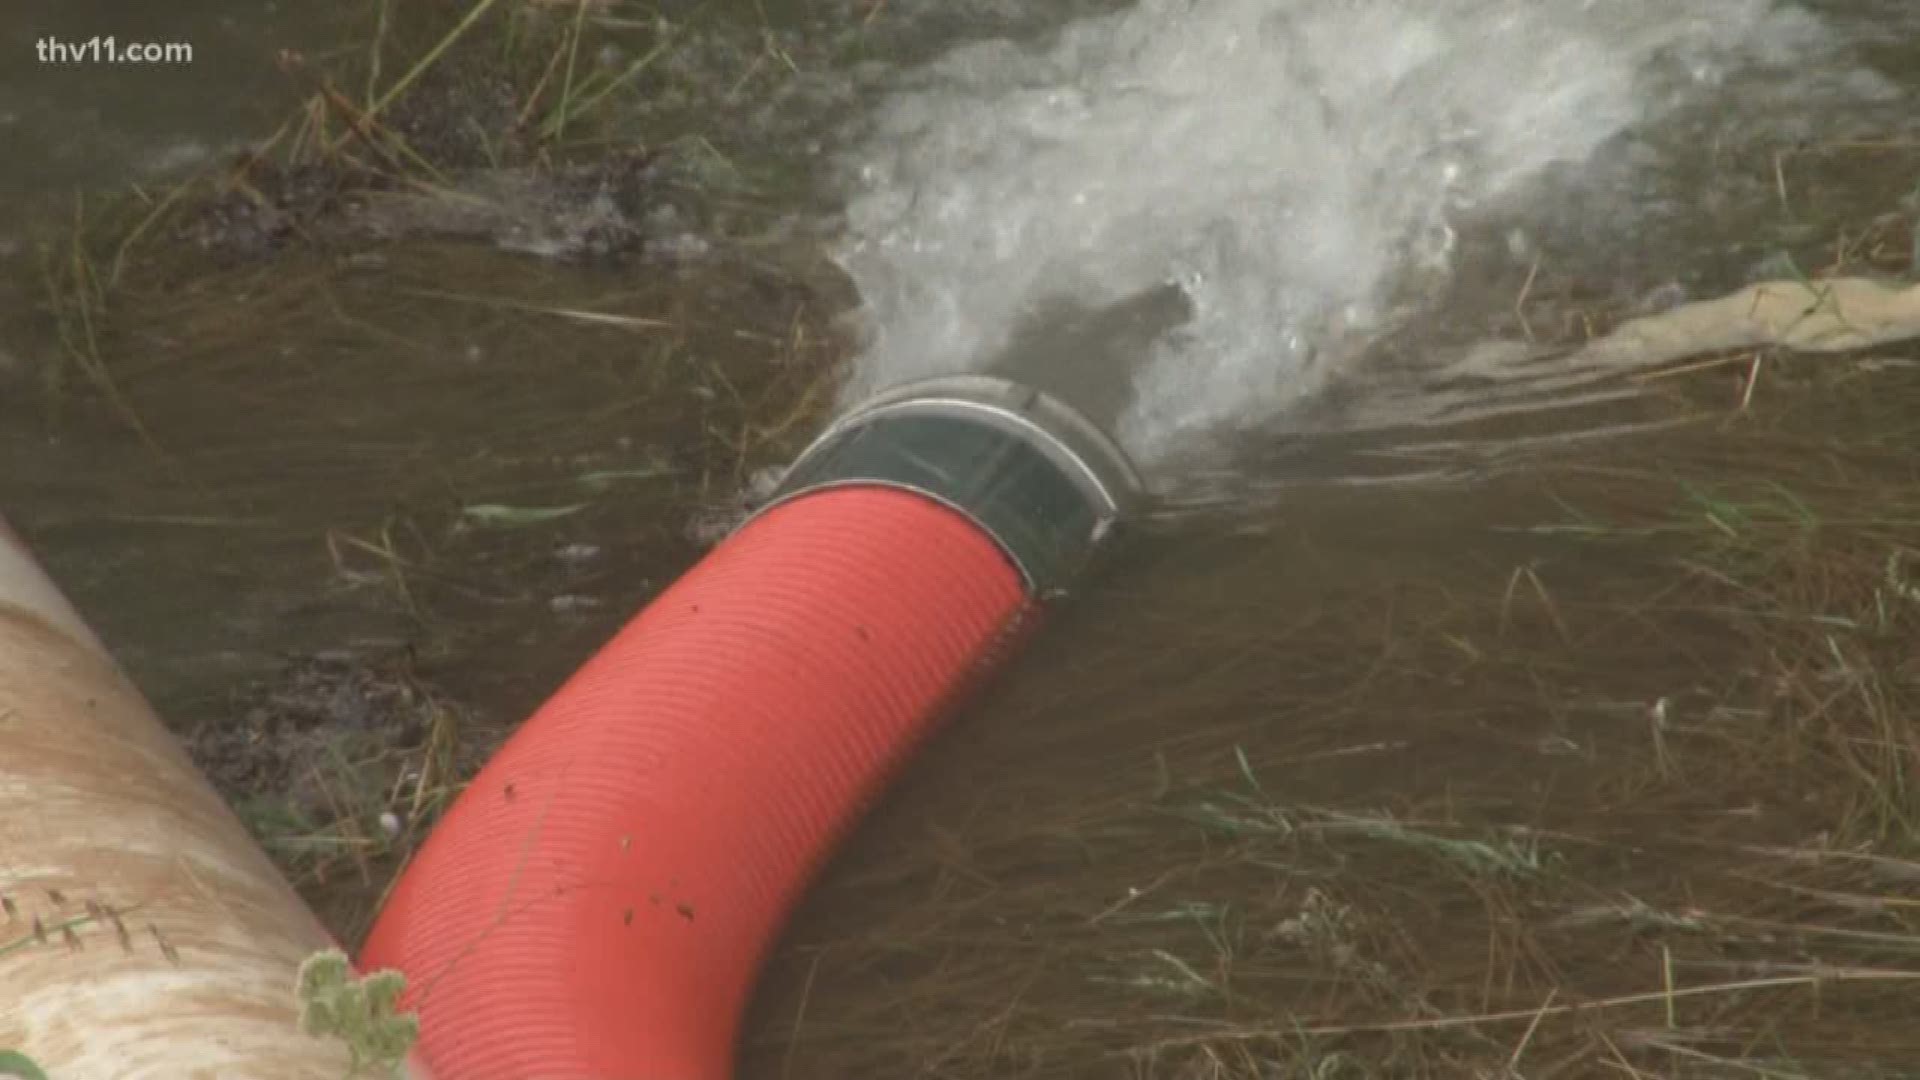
[{"x": 1297, "y": 168}]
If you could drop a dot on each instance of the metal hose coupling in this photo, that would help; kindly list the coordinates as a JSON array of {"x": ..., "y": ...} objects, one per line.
[{"x": 1026, "y": 468}]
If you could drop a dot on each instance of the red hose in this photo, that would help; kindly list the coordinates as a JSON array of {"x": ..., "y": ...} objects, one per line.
[{"x": 597, "y": 903}]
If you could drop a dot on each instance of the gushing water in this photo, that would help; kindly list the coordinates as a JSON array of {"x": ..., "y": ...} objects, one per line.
[{"x": 1297, "y": 168}]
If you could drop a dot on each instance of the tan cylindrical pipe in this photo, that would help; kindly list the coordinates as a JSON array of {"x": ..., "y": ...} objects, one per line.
[{"x": 144, "y": 934}]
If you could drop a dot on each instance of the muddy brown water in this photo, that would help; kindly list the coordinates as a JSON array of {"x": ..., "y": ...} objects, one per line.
[{"x": 1298, "y": 790}]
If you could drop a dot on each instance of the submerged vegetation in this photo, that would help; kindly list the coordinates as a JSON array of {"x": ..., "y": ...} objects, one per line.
[
  {"x": 471, "y": 350},
  {"x": 1604, "y": 765}
]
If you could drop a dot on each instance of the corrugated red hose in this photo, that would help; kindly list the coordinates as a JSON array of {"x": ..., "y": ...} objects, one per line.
[{"x": 596, "y": 905}]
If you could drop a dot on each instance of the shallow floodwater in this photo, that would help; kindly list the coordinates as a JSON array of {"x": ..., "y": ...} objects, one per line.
[
  {"x": 82, "y": 124},
  {"x": 400, "y": 450}
]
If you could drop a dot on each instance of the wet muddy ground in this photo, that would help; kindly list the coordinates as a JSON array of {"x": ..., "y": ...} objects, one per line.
[{"x": 1601, "y": 764}]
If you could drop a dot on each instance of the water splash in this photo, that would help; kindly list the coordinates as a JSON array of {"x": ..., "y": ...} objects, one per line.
[{"x": 1297, "y": 169}]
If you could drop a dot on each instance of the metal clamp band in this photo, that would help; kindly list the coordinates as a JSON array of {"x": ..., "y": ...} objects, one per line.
[{"x": 1038, "y": 477}]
